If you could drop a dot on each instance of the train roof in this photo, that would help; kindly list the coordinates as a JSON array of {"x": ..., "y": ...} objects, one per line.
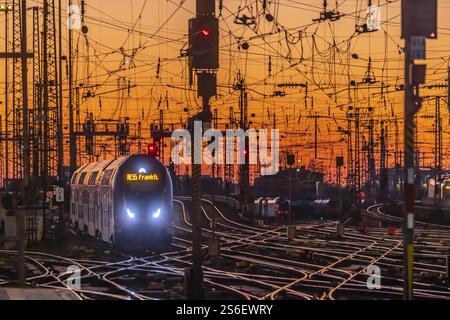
[
  {"x": 102, "y": 165},
  {"x": 95, "y": 171}
]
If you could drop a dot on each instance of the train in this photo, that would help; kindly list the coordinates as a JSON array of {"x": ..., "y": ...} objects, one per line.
[
  {"x": 127, "y": 202},
  {"x": 442, "y": 194},
  {"x": 271, "y": 209}
]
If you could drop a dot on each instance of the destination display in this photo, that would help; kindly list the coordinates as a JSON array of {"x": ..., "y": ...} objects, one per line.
[{"x": 142, "y": 177}]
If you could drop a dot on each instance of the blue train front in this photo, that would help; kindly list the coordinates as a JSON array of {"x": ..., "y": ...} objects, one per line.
[
  {"x": 143, "y": 201},
  {"x": 125, "y": 201}
]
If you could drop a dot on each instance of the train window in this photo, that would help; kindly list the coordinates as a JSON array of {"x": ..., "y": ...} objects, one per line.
[
  {"x": 74, "y": 178},
  {"x": 95, "y": 209},
  {"x": 107, "y": 177},
  {"x": 92, "y": 178},
  {"x": 81, "y": 211},
  {"x": 82, "y": 177},
  {"x": 85, "y": 197},
  {"x": 446, "y": 195}
]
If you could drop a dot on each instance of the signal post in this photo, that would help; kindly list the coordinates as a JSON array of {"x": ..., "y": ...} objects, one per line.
[
  {"x": 203, "y": 53},
  {"x": 419, "y": 22}
]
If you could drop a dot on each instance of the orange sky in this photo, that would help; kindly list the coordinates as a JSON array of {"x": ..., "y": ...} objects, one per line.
[{"x": 161, "y": 31}]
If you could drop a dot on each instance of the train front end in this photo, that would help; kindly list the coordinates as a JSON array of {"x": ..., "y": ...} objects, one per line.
[{"x": 143, "y": 204}]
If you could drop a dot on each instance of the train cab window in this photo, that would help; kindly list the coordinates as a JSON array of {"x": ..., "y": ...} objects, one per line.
[
  {"x": 82, "y": 177},
  {"x": 92, "y": 178},
  {"x": 106, "y": 177}
]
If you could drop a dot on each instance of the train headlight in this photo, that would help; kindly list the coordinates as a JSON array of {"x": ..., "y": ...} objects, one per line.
[
  {"x": 131, "y": 214},
  {"x": 157, "y": 214}
]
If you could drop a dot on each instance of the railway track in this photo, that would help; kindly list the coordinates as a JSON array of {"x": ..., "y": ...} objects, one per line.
[
  {"x": 258, "y": 262},
  {"x": 333, "y": 277}
]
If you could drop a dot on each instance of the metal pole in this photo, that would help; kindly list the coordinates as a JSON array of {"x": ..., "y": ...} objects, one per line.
[
  {"x": 45, "y": 99},
  {"x": 26, "y": 134},
  {"x": 316, "y": 118},
  {"x": 358, "y": 155},
  {"x": 290, "y": 197},
  {"x": 6, "y": 105},
  {"x": 196, "y": 229},
  {"x": 244, "y": 168},
  {"x": 437, "y": 157},
  {"x": 60, "y": 105},
  {"x": 72, "y": 142},
  {"x": 36, "y": 132},
  {"x": 196, "y": 276},
  {"x": 409, "y": 183},
  {"x": 339, "y": 193},
  {"x": 340, "y": 228}
]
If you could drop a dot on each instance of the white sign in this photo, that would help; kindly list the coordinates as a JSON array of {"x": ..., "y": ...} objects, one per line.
[
  {"x": 374, "y": 280},
  {"x": 373, "y": 18},
  {"x": 59, "y": 194},
  {"x": 74, "y": 17},
  {"x": 74, "y": 280}
]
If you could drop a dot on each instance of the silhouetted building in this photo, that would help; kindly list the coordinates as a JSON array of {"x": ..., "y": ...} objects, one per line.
[{"x": 305, "y": 184}]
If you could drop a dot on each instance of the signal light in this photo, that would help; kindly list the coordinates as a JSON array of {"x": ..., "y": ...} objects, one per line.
[
  {"x": 206, "y": 32},
  {"x": 152, "y": 150},
  {"x": 247, "y": 155},
  {"x": 204, "y": 42}
]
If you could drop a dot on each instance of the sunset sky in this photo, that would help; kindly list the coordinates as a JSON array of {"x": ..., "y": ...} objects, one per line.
[{"x": 298, "y": 50}]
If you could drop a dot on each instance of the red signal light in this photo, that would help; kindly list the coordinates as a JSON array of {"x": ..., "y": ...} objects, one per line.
[
  {"x": 247, "y": 155},
  {"x": 206, "y": 32},
  {"x": 392, "y": 231},
  {"x": 152, "y": 150}
]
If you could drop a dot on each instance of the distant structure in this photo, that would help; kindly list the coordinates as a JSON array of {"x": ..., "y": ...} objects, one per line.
[{"x": 305, "y": 184}]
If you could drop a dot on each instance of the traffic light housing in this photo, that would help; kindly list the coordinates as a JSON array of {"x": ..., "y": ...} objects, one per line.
[{"x": 204, "y": 42}]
